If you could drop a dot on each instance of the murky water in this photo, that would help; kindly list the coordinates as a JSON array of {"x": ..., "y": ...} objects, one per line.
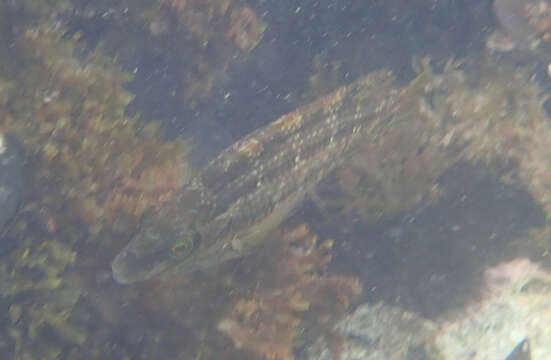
[{"x": 432, "y": 223}]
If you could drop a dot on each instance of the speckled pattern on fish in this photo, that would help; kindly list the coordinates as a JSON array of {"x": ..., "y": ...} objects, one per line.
[{"x": 246, "y": 191}]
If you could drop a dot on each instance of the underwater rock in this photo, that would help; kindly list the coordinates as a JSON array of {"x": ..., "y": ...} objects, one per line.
[
  {"x": 11, "y": 177},
  {"x": 515, "y": 305},
  {"x": 376, "y": 332},
  {"x": 512, "y": 309}
]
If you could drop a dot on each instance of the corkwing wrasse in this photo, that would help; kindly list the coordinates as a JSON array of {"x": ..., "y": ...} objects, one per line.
[{"x": 250, "y": 188}]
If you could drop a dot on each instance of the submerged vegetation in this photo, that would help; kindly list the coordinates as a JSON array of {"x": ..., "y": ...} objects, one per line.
[
  {"x": 93, "y": 171},
  {"x": 485, "y": 112},
  {"x": 189, "y": 44},
  {"x": 300, "y": 299},
  {"x": 86, "y": 151}
]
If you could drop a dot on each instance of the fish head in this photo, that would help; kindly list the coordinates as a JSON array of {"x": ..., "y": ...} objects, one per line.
[{"x": 160, "y": 243}]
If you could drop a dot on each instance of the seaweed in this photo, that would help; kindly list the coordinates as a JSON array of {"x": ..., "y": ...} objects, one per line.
[
  {"x": 93, "y": 173},
  {"x": 272, "y": 322}
]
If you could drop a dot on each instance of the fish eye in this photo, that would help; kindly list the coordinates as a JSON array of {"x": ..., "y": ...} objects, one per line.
[{"x": 185, "y": 245}]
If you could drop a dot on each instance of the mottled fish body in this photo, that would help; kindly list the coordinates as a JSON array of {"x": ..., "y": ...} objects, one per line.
[{"x": 251, "y": 187}]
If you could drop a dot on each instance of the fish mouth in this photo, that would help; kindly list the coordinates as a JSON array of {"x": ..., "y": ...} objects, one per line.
[
  {"x": 125, "y": 271},
  {"x": 120, "y": 275}
]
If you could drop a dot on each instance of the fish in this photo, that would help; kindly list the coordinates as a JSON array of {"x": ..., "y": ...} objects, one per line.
[{"x": 233, "y": 203}]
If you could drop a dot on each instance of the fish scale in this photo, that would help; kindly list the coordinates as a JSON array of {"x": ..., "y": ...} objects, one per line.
[
  {"x": 318, "y": 147},
  {"x": 252, "y": 186},
  {"x": 300, "y": 162}
]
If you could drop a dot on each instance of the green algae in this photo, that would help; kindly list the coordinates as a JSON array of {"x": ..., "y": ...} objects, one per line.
[{"x": 94, "y": 172}]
